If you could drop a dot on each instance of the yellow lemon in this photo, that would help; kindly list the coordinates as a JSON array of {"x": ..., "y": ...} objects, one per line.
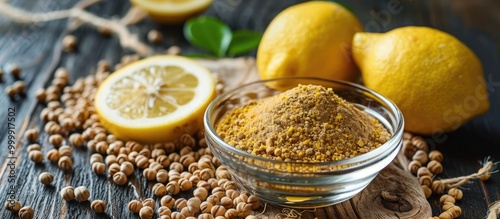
[
  {"x": 434, "y": 79},
  {"x": 172, "y": 11},
  {"x": 309, "y": 39},
  {"x": 156, "y": 99}
]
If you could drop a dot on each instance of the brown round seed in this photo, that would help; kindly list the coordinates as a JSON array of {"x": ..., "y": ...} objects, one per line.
[
  {"x": 69, "y": 43},
  {"x": 427, "y": 191},
  {"x": 31, "y": 135},
  {"x": 421, "y": 156},
  {"x": 76, "y": 139},
  {"x": 67, "y": 193},
  {"x": 35, "y": 156},
  {"x": 167, "y": 201},
  {"x": 120, "y": 178},
  {"x": 95, "y": 157},
  {"x": 173, "y": 188},
  {"x": 254, "y": 201},
  {"x": 34, "y": 147},
  {"x": 155, "y": 36},
  {"x": 65, "y": 163},
  {"x": 53, "y": 155},
  {"x": 200, "y": 193},
  {"x": 56, "y": 140},
  {"x": 435, "y": 167},
  {"x": 436, "y": 155},
  {"x": 149, "y": 202},
  {"x": 218, "y": 210},
  {"x": 243, "y": 209},
  {"x": 127, "y": 168},
  {"x": 159, "y": 189},
  {"x": 146, "y": 212},
  {"x": 162, "y": 176},
  {"x": 98, "y": 168},
  {"x": 113, "y": 169},
  {"x": 206, "y": 206},
  {"x": 98, "y": 206},
  {"x": 134, "y": 206},
  {"x": 12, "y": 205},
  {"x": 456, "y": 193},
  {"x": 26, "y": 212},
  {"x": 46, "y": 178},
  {"x": 149, "y": 174},
  {"x": 65, "y": 150},
  {"x": 81, "y": 193},
  {"x": 164, "y": 210}
]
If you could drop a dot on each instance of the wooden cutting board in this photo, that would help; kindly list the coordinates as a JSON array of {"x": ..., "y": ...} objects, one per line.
[{"x": 408, "y": 200}]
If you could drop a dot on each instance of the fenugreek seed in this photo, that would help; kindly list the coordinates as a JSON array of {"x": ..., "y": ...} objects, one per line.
[
  {"x": 206, "y": 174},
  {"x": 446, "y": 215},
  {"x": 177, "y": 215},
  {"x": 187, "y": 212},
  {"x": 167, "y": 201},
  {"x": 35, "y": 156},
  {"x": 67, "y": 193},
  {"x": 185, "y": 184},
  {"x": 213, "y": 199},
  {"x": 174, "y": 50},
  {"x": 56, "y": 140},
  {"x": 180, "y": 203},
  {"x": 18, "y": 86},
  {"x": 31, "y": 135},
  {"x": 254, "y": 201},
  {"x": 425, "y": 180},
  {"x": 133, "y": 146},
  {"x": 456, "y": 193},
  {"x": 114, "y": 168},
  {"x": 120, "y": 178},
  {"x": 420, "y": 143},
  {"x": 155, "y": 36},
  {"x": 155, "y": 165},
  {"x": 243, "y": 209},
  {"x": 164, "y": 210},
  {"x": 12, "y": 205},
  {"x": 98, "y": 206},
  {"x": 200, "y": 193},
  {"x": 98, "y": 168},
  {"x": 455, "y": 211},
  {"x": 173, "y": 188},
  {"x": 205, "y": 216},
  {"x": 65, "y": 150},
  {"x": 26, "y": 212},
  {"x": 205, "y": 207},
  {"x": 446, "y": 198},
  {"x": 101, "y": 147},
  {"x": 81, "y": 193},
  {"x": 146, "y": 212},
  {"x": 241, "y": 198},
  {"x": 421, "y": 156},
  {"x": 438, "y": 187},
  {"x": 15, "y": 70},
  {"x": 213, "y": 182},
  {"x": 218, "y": 210},
  {"x": 447, "y": 206},
  {"x": 149, "y": 202},
  {"x": 134, "y": 206},
  {"x": 424, "y": 171},
  {"x": 436, "y": 155},
  {"x": 65, "y": 163},
  {"x": 427, "y": 191},
  {"x": 159, "y": 189},
  {"x": 96, "y": 158},
  {"x": 435, "y": 167},
  {"x": 224, "y": 174},
  {"x": 127, "y": 168},
  {"x": 69, "y": 43},
  {"x": 33, "y": 147},
  {"x": 141, "y": 162},
  {"x": 231, "y": 213},
  {"x": 46, "y": 178},
  {"x": 194, "y": 204},
  {"x": 232, "y": 194},
  {"x": 10, "y": 91},
  {"x": 149, "y": 174},
  {"x": 229, "y": 185},
  {"x": 110, "y": 159},
  {"x": 226, "y": 202}
]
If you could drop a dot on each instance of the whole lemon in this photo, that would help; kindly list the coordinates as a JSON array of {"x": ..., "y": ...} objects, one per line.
[
  {"x": 309, "y": 39},
  {"x": 435, "y": 80}
]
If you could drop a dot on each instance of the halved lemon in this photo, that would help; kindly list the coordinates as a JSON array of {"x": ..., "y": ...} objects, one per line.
[
  {"x": 172, "y": 11},
  {"x": 155, "y": 99}
]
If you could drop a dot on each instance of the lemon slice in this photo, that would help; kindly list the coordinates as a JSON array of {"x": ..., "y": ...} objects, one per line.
[
  {"x": 172, "y": 11},
  {"x": 156, "y": 99}
]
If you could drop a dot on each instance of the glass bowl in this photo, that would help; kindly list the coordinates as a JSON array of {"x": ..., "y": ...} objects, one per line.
[{"x": 302, "y": 184}]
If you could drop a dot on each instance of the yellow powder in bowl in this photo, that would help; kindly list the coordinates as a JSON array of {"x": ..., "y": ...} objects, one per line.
[{"x": 308, "y": 123}]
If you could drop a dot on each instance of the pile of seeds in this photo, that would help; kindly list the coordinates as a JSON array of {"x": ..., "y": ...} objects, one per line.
[
  {"x": 178, "y": 170},
  {"x": 425, "y": 165}
]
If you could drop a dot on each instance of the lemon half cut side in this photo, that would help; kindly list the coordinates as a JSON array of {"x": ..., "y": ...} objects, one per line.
[{"x": 156, "y": 99}]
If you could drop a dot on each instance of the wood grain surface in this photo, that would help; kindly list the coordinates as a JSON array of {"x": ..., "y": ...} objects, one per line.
[{"x": 37, "y": 49}]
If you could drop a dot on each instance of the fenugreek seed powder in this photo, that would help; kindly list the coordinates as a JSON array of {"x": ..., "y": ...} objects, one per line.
[{"x": 308, "y": 123}]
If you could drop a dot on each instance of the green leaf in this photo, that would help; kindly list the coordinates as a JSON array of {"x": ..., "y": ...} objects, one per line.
[
  {"x": 208, "y": 33},
  {"x": 244, "y": 41}
]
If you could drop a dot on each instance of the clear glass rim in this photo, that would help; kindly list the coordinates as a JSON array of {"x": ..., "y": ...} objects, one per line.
[{"x": 392, "y": 142}]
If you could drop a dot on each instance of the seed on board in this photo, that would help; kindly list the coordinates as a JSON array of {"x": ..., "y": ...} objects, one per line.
[
  {"x": 65, "y": 163},
  {"x": 53, "y": 155},
  {"x": 218, "y": 210},
  {"x": 99, "y": 206},
  {"x": 35, "y": 156},
  {"x": 31, "y": 135},
  {"x": 18, "y": 86},
  {"x": 69, "y": 43},
  {"x": 163, "y": 210},
  {"x": 33, "y": 147},
  {"x": 56, "y": 140},
  {"x": 98, "y": 168},
  {"x": 149, "y": 202},
  {"x": 120, "y": 178},
  {"x": 134, "y": 206},
  {"x": 206, "y": 206},
  {"x": 81, "y": 193},
  {"x": 15, "y": 70},
  {"x": 456, "y": 193},
  {"x": 26, "y": 212},
  {"x": 96, "y": 158},
  {"x": 12, "y": 205},
  {"x": 146, "y": 212},
  {"x": 159, "y": 189},
  {"x": 40, "y": 95},
  {"x": 167, "y": 201},
  {"x": 67, "y": 193},
  {"x": 10, "y": 91},
  {"x": 46, "y": 178},
  {"x": 254, "y": 201},
  {"x": 127, "y": 168},
  {"x": 243, "y": 209},
  {"x": 76, "y": 139},
  {"x": 65, "y": 150}
]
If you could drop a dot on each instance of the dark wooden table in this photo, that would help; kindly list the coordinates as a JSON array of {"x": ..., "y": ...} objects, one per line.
[{"x": 37, "y": 49}]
